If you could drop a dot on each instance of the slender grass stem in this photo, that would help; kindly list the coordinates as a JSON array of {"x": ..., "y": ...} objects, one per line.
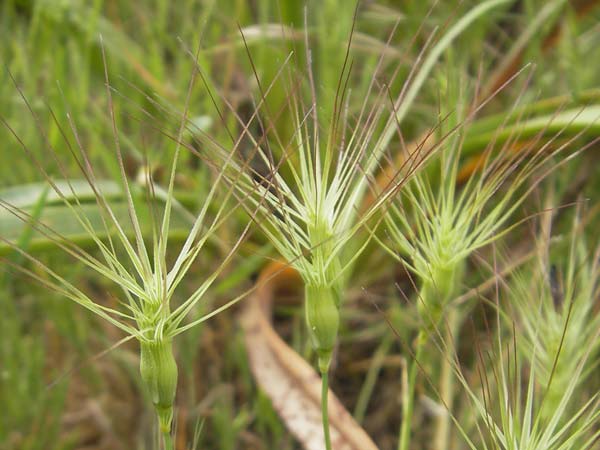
[
  {"x": 167, "y": 440},
  {"x": 446, "y": 384},
  {"x": 408, "y": 396},
  {"x": 371, "y": 379},
  {"x": 325, "y": 408}
]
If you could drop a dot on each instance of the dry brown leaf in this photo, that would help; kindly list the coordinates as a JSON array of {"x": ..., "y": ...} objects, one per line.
[{"x": 291, "y": 383}]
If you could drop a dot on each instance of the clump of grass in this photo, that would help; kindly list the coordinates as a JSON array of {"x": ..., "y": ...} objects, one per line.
[
  {"x": 148, "y": 311},
  {"x": 23, "y": 356},
  {"x": 310, "y": 174}
]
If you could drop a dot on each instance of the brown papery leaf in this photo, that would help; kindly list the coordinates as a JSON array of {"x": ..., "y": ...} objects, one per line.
[{"x": 293, "y": 386}]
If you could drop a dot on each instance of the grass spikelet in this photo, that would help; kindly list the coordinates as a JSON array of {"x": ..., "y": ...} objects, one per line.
[
  {"x": 140, "y": 267},
  {"x": 554, "y": 304},
  {"x": 533, "y": 391},
  {"x": 438, "y": 221}
]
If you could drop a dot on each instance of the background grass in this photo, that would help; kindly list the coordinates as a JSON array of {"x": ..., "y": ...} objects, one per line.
[{"x": 54, "y": 393}]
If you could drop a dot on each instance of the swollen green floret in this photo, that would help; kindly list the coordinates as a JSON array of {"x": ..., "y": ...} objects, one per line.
[
  {"x": 159, "y": 374},
  {"x": 323, "y": 320}
]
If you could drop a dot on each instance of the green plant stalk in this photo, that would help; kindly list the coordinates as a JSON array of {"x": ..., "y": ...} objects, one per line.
[
  {"x": 435, "y": 293},
  {"x": 371, "y": 379},
  {"x": 325, "y": 408},
  {"x": 167, "y": 441},
  {"x": 408, "y": 396},
  {"x": 446, "y": 383}
]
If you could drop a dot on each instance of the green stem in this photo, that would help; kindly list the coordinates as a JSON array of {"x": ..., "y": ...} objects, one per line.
[
  {"x": 371, "y": 379},
  {"x": 408, "y": 396},
  {"x": 325, "y": 408},
  {"x": 446, "y": 385},
  {"x": 167, "y": 441}
]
